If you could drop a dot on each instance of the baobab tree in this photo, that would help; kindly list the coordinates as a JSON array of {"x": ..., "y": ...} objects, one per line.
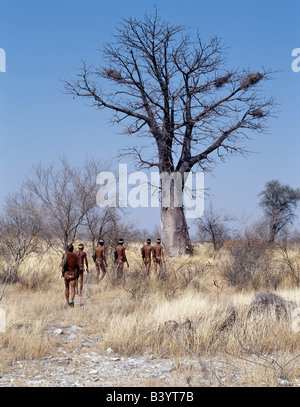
[{"x": 167, "y": 84}]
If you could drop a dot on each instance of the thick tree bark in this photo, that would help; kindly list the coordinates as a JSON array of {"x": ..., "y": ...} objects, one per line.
[
  {"x": 175, "y": 232},
  {"x": 174, "y": 228}
]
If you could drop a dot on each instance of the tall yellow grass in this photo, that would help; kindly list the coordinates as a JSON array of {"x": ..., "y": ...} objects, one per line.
[{"x": 184, "y": 313}]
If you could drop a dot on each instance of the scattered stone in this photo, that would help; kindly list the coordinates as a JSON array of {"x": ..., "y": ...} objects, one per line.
[
  {"x": 284, "y": 383},
  {"x": 74, "y": 328},
  {"x": 166, "y": 369},
  {"x": 81, "y": 367},
  {"x": 72, "y": 337},
  {"x": 85, "y": 345},
  {"x": 35, "y": 383},
  {"x": 58, "y": 331},
  {"x": 63, "y": 361}
]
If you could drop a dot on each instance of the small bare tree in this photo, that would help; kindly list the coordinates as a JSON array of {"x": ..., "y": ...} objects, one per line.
[
  {"x": 66, "y": 195},
  {"x": 290, "y": 260},
  {"x": 212, "y": 227},
  {"x": 21, "y": 228}
]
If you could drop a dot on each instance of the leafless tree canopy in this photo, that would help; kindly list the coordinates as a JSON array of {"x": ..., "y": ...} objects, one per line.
[
  {"x": 174, "y": 87},
  {"x": 21, "y": 227},
  {"x": 66, "y": 196},
  {"x": 213, "y": 227}
]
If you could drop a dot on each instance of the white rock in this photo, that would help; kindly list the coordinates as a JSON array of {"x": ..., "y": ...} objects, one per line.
[
  {"x": 285, "y": 383},
  {"x": 167, "y": 369},
  {"x": 72, "y": 337},
  {"x": 58, "y": 331},
  {"x": 74, "y": 328}
]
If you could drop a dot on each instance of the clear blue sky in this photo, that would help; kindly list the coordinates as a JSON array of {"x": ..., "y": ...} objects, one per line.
[{"x": 45, "y": 42}]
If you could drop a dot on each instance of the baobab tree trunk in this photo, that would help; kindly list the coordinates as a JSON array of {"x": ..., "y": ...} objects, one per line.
[
  {"x": 174, "y": 228},
  {"x": 175, "y": 232}
]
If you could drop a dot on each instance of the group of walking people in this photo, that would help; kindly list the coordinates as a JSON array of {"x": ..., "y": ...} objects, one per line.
[{"x": 74, "y": 264}]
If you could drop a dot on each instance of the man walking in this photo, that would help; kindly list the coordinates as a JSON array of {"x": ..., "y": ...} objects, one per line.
[
  {"x": 120, "y": 258},
  {"x": 147, "y": 251},
  {"x": 100, "y": 260},
  {"x": 82, "y": 257},
  {"x": 70, "y": 265},
  {"x": 158, "y": 254}
]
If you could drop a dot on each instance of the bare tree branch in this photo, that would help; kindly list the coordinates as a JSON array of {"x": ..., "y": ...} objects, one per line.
[{"x": 174, "y": 87}]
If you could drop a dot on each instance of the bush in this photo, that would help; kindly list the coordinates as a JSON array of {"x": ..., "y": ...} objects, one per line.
[{"x": 251, "y": 265}]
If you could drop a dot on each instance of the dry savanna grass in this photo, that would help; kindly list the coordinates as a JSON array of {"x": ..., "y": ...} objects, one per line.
[{"x": 189, "y": 310}]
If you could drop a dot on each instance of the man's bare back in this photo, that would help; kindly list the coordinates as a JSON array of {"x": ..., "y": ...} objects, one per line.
[
  {"x": 158, "y": 254},
  {"x": 147, "y": 251},
  {"x": 121, "y": 258},
  {"x": 100, "y": 260},
  {"x": 100, "y": 253}
]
